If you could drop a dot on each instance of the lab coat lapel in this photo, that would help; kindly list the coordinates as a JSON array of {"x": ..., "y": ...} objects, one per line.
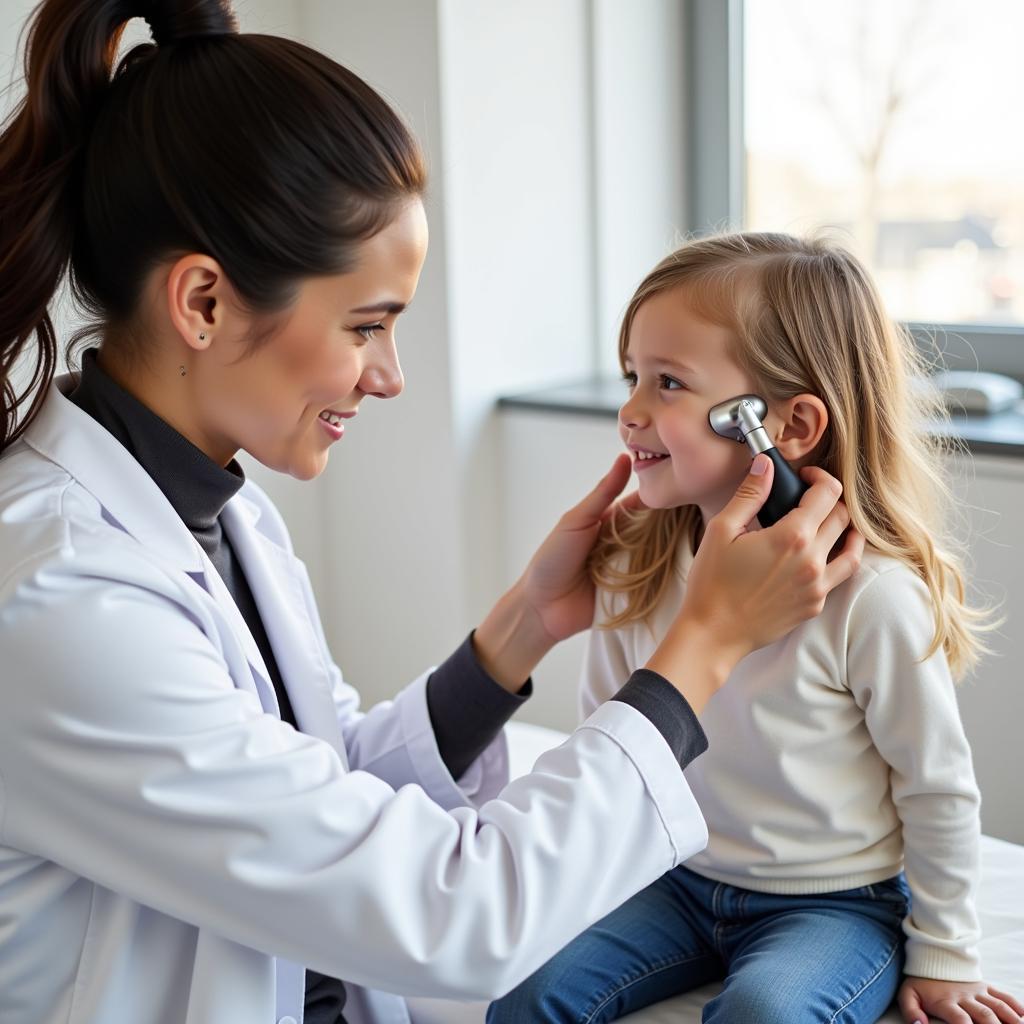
[
  {"x": 132, "y": 501},
  {"x": 278, "y": 583},
  {"x": 209, "y": 579}
]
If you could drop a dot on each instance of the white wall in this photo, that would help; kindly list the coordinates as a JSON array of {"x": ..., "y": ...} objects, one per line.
[{"x": 517, "y": 210}]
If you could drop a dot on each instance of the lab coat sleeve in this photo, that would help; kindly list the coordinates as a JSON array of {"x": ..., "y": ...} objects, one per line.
[
  {"x": 911, "y": 712},
  {"x": 394, "y": 740},
  {"x": 128, "y": 757}
]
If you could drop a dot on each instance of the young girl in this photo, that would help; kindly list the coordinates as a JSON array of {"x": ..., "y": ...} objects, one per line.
[{"x": 837, "y": 760}]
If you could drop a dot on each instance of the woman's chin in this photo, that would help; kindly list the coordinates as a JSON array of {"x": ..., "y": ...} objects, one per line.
[
  {"x": 300, "y": 465},
  {"x": 309, "y": 468}
]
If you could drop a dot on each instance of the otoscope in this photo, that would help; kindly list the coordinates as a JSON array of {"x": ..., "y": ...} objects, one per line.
[{"x": 739, "y": 419}]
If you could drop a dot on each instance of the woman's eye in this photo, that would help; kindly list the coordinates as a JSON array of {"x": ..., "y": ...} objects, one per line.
[
  {"x": 629, "y": 379},
  {"x": 369, "y": 330},
  {"x": 670, "y": 383}
]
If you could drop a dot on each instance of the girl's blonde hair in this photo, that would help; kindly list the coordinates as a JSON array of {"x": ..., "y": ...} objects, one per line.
[{"x": 807, "y": 318}]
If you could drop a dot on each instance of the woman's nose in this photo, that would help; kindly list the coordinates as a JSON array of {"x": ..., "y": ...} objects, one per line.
[{"x": 382, "y": 376}]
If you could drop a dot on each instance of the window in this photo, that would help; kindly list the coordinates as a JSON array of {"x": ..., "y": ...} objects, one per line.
[{"x": 891, "y": 123}]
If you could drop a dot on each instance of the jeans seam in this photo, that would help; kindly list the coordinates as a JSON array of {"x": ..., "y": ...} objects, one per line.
[
  {"x": 888, "y": 960},
  {"x": 716, "y": 900},
  {"x": 655, "y": 969}
]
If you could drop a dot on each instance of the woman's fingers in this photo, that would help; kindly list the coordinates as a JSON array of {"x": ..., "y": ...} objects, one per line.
[
  {"x": 833, "y": 528},
  {"x": 819, "y": 500},
  {"x": 846, "y": 563},
  {"x": 748, "y": 499},
  {"x": 632, "y": 502},
  {"x": 595, "y": 505}
]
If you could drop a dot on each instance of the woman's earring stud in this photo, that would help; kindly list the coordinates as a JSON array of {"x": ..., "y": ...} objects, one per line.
[
  {"x": 181, "y": 371},
  {"x": 202, "y": 337}
]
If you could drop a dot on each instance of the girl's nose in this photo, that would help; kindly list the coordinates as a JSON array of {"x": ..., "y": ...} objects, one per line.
[{"x": 632, "y": 415}]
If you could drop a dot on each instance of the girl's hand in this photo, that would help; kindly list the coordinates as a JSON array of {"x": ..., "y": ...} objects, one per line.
[
  {"x": 554, "y": 598},
  {"x": 957, "y": 1002}
]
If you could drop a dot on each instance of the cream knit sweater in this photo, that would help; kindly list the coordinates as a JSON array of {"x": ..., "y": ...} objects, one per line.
[{"x": 836, "y": 758}]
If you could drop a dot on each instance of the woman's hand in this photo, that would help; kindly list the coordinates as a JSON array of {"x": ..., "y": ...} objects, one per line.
[
  {"x": 956, "y": 1002},
  {"x": 748, "y": 588},
  {"x": 554, "y": 598},
  {"x": 556, "y": 583}
]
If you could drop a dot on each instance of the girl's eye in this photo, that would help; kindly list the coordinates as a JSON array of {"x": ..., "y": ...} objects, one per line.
[
  {"x": 670, "y": 383},
  {"x": 369, "y": 330},
  {"x": 630, "y": 379}
]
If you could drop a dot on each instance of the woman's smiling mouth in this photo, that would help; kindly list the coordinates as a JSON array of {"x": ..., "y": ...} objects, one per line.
[{"x": 332, "y": 422}]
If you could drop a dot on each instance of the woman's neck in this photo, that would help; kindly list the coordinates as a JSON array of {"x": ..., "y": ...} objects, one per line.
[{"x": 174, "y": 405}]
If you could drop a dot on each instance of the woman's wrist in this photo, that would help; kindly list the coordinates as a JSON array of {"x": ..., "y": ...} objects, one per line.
[
  {"x": 511, "y": 641},
  {"x": 695, "y": 660}
]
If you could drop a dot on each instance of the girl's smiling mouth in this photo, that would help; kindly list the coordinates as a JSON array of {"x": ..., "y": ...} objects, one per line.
[{"x": 644, "y": 458}]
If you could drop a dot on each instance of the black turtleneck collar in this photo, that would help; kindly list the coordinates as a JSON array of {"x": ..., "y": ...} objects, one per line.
[{"x": 196, "y": 486}]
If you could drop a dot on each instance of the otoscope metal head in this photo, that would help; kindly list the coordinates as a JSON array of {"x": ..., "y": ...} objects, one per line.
[
  {"x": 735, "y": 420},
  {"x": 742, "y": 419}
]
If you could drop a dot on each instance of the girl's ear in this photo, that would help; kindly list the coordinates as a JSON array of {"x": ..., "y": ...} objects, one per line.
[{"x": 799, "y": 425}]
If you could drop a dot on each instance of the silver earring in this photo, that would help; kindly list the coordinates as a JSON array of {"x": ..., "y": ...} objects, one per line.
[
  {"x": 202, "y": 337},
  {"x": 181, "y": 371}
]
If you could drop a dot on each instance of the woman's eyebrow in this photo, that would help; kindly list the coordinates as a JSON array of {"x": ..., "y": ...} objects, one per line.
[{"x": 386, "y": 308}]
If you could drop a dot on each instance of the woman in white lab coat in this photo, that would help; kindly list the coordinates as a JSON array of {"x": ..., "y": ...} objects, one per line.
[{"x": 197, "y": 822}]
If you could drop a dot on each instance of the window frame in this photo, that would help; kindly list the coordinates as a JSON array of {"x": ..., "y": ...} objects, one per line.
[{"x": 717, "y": 185}]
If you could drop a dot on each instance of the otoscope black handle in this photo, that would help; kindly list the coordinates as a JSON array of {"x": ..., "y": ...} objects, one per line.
[{"x": 787, "y": 490}]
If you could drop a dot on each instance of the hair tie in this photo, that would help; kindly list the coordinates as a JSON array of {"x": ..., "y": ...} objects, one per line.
[{"x": 171, "y": 21}]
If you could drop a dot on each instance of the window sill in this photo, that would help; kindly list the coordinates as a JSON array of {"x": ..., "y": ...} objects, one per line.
[{"x": 1001, "y": 434}]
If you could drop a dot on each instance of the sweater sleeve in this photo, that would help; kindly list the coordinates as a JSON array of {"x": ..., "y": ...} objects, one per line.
[
  {"x": 911, "y": 713},
  {"x": 468, "y": 708}
]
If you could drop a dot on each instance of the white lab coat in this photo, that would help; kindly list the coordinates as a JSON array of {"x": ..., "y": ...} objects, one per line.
[{"x": 171, "y": 852}]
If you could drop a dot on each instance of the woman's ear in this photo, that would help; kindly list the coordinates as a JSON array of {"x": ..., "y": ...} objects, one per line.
[
  {"x": 800, "y": 423},
  {"x": 198, "y": 299}
]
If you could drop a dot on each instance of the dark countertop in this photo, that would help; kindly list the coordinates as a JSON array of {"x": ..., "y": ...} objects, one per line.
[{"x": 1001, "y": 434}]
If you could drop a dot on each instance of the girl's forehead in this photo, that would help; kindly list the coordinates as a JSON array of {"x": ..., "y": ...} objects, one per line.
[{"x": 666, "y": 324}]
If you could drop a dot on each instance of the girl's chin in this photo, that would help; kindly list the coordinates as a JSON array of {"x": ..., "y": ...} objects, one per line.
[
  {"x": 664, "y": 494},
  {"x": 659, "y": 497}
]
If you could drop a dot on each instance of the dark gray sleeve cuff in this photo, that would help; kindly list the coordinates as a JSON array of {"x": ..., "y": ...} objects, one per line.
[
  {"x": 657, "y": 699},
  {"x": 468, "y": 708}
]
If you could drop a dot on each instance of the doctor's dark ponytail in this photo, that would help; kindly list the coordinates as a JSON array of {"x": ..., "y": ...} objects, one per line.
[{"x": 256, "y": 150}]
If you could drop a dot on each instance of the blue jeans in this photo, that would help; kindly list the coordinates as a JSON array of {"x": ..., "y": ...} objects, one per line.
[{"x": 834, "y": 958}]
